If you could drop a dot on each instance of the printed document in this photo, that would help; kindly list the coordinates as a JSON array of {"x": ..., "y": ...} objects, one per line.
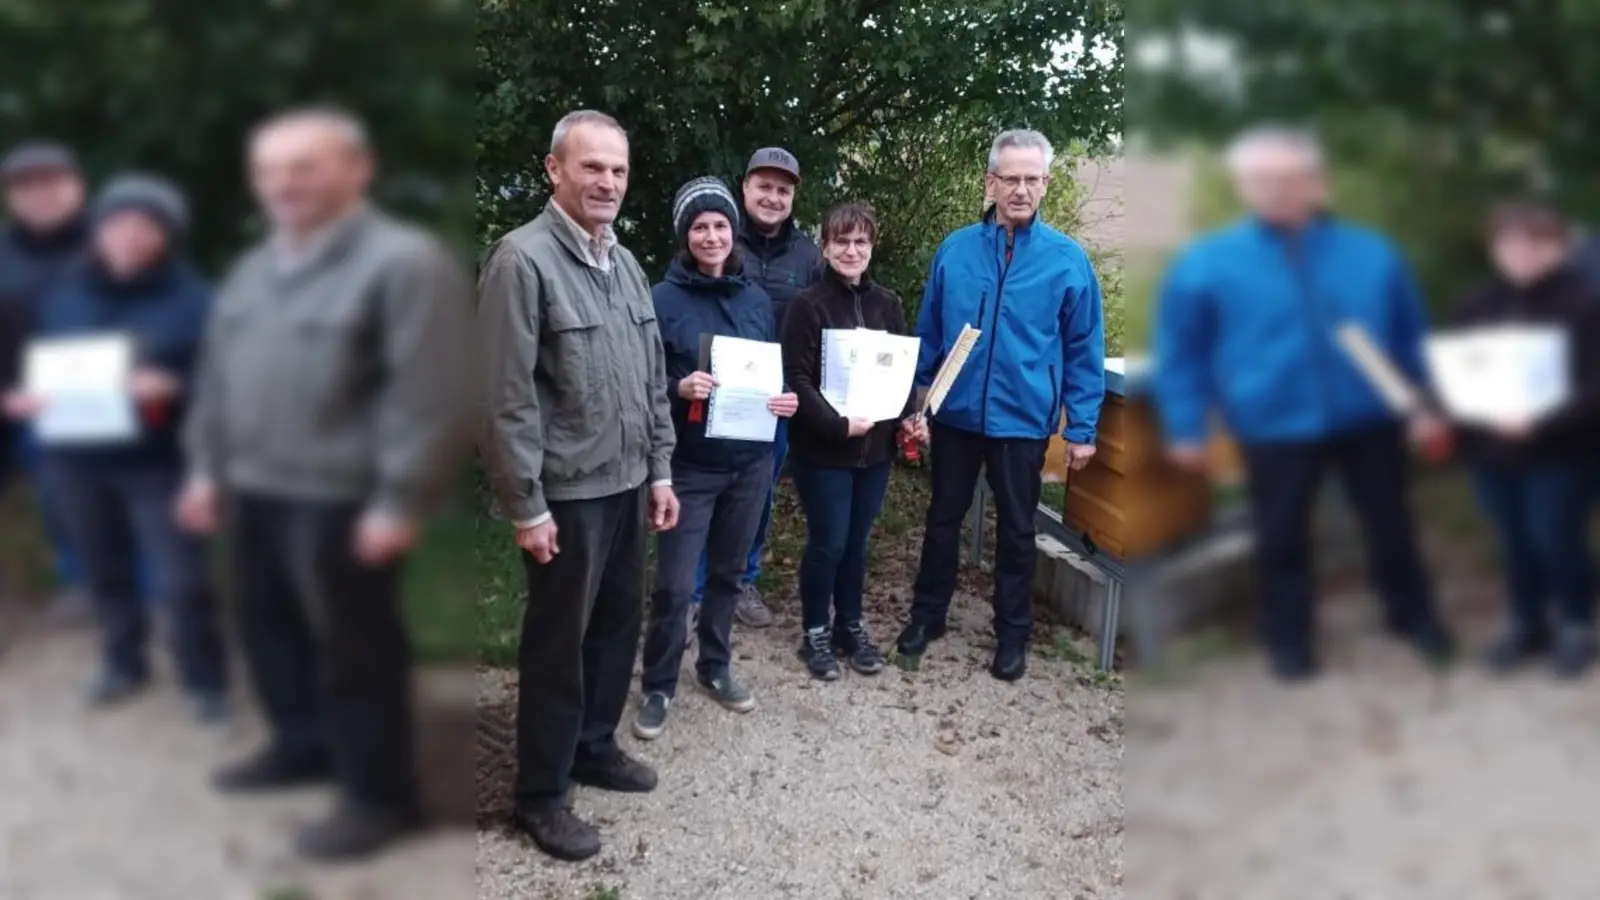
[
  {"x": 868, "y": 374},
  {"x": 83, "y": 383},
  {"x": 1494, "y": 374},
  {"x": 748, "y": 374}
]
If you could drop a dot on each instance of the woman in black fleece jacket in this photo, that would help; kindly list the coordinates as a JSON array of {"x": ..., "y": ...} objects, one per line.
[{"x": 840, "y": 466}]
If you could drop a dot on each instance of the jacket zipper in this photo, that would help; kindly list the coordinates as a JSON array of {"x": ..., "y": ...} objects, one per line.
[
  {"x": 1318, "y": 322},
  {"x": 994, "y": 337}
]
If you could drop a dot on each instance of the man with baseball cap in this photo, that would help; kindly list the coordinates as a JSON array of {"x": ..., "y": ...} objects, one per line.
[
  {"x": 784, "y": 261},
  {"x": 45, "y": 234}
]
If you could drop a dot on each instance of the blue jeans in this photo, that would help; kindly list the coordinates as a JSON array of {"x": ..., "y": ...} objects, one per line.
[
  {"x": 752, "y": 566},
  {"x": 841, "y": 506},
  {"x": 69, "y": 569},
  {"x": 1542, "y": 515}
]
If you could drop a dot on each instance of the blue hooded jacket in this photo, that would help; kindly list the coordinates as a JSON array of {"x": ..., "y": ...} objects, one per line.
[
  {"x": 1043, "y": 345},
  {"x": 689, "y": 304},
  {"x": 1246, "y": 326},
  {"x": 164, "y": 310}
]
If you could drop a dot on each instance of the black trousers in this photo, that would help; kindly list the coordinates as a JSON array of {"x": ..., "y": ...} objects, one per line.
[
  {"x": 1372, "y": 466},
  {"x": 1014, "y": 468},
  {"x": 325, "y": 639},
  {"x": 579, "y": 636},
  {"x": 119, "y": 515}
]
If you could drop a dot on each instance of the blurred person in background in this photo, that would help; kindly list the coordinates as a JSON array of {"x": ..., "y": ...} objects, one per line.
[
  {"x": 331, "y": 409},
  {"x": 45, "y": 235},
  {"x": 722, "y": 485},
  {"x": 117, "y": 498},
  {"x": 577, "y": 444},
  {"x": 1536, "y": 479},
  {"x": 1245, "y": 327},
  {"x": 841, "y": 465},
  {"x": 1033, "y": 293}
]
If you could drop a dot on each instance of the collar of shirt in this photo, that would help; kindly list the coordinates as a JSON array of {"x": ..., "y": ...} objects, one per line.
[
  {"x": 291, "y": 259},
  {"x": 596, "y": 250}
]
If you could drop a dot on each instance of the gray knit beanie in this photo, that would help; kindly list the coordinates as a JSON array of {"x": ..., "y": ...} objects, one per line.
[
  {"x": 700, "y": 195},
  {"x": 152, "y": 195}
]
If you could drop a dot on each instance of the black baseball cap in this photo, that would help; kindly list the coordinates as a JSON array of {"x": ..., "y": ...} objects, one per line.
[
  {"x": 775, "y": 158},
  {"x": 35, "y": 158}
]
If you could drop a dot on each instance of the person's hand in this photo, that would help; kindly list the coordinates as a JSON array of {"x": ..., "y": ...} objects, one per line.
[
  {"x": 1430, "y": 436},
  {"x": 663, "y": 508},
  {"x": 539, "y": 541},
  {"x": 784, "y": 405},
  {"x": 198, "y": 509},
  {"x": 153, "y": 384},
  {"x": 381, "y": 538},
  {"x": 1078, "y": 455},
  {"x": 859, "y": 427},
  {"x": 1189, "y": 457},
  {"x": 914, "y": 428},
  {"x": 20, "y": 405},
  {"x": 696, "y": 386}
]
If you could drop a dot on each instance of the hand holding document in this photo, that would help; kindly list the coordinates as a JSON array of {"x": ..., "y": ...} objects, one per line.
[
  {"x": 1505, "y": 376},
  {"x": 868, "y": 374},
  {"x": 748, "y": 374},
  {"x": 83, "y": 388}
]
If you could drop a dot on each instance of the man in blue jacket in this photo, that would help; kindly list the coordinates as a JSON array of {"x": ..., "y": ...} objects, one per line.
[
  {"x": 1246, "y": 329},
  {"x": 1033, "y": 293}
]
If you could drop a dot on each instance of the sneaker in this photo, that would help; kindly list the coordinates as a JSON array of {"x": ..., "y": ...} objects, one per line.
[
  {"x": 560, "y": 833},
  {"x": 354, "y": 832},
  {"x": 617, "y": 772},
  {"x": 816, "y": 649},
  {"x": 853, "y": 642},
  {"x": 652, "y": 718},
  {"x": 750, "y": 611},
  {"x": 1517, "y": 646},
  {"x": 728, "y": 693},
  {"x": 1574, "y": 651}
]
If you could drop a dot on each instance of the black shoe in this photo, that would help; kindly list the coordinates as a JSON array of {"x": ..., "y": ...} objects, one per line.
[
  {"x": 1574, "y": 651},
  {"x": 1435, "y": 645},
  {"x": 115, "y": 687},
  {"x": 273, "y": 769},
  {"x": 617, "y": 772},
  {"x": 1293, "y": 667},
  {"x": 1517, "y": 646},
  {"x": 851, "y": 640},
  {"x": 559, "y": 833},
  {"x": 354, "y": 832},
  {"x": 816, "y": 651},
  {"x": 915, "y": 639},
  {"x": 1010, "y": 663}
]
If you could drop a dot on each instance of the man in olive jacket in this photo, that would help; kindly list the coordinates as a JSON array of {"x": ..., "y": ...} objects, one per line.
[{"x": 577, "y": 443}]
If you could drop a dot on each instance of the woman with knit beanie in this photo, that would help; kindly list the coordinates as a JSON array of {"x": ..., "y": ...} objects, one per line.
[{"x": 721, "y": 484}]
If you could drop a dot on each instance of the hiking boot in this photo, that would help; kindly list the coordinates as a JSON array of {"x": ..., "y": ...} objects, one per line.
[
  {"x": 853, "y": 642},
  {"x": 915, "y": 639},
  {"x": 617, "y": 772},
  {"x": 816, "y": 650},
  {"x": 560, "y": 833},
  {"x": 652, "y": 718},
  {"x": 354, "y": 831},
  {"x": 750, "y": 611},
  {"x": 1517, "y": 646},
  {"x": 273, "y": 769},
  {"x": 1574, "y": 651},
  {"x": 115, "y": 687},
  {"x": 211, "y": 707},
  {"x": 730, "y": 694}
]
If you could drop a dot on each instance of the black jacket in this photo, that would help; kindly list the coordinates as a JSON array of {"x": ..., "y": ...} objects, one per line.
[
  {"x": 165, "y": 309},
  {"x": 690, "y": 304},
  {"x": 818, "y": 435},
  {"x": 1565, "y": 298},
  {"x": 784, "y": 264},
  {"x": 30, "y": 266}
]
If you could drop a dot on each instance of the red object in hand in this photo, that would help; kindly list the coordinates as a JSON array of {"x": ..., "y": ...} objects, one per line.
[
  {"x": 154, "y": 412},
  {"x": 697, "y": 411},
  {"x": 908, "y": 447}
]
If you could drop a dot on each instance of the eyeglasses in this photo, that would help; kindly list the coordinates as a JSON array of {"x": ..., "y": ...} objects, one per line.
[{"x": 1012, "y": 182}]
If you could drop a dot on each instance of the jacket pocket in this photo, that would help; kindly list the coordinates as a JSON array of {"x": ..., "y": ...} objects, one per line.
[{"x": 573, "y": 366}]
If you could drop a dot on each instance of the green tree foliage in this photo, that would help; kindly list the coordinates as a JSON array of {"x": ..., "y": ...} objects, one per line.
[
  {"x": 175, "y": 86},
  {"x": 888, "y": 101}
]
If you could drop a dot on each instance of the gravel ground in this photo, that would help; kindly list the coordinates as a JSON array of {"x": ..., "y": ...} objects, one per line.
[
  {"x": 115, "y": 806},
  {"x": 1381, "y": 781},
  {"x": 942, "y": 784}
]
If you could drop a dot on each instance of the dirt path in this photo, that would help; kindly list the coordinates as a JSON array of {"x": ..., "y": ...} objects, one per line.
[
  {"x": 938, "y": 784},
  {"x": 114, "y": 806}
]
